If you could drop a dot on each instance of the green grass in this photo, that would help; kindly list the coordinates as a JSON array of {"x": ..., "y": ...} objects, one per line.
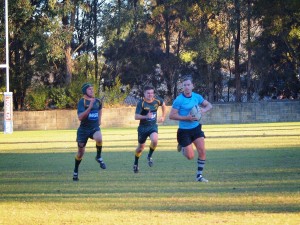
[{"x": 253, "y": 172}]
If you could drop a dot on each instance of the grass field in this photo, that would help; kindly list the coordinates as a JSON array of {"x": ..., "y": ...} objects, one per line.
[{"x": 253, "y": 172}]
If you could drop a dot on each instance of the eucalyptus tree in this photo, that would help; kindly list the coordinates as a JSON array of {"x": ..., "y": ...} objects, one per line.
[
  {"x": 166, "y": 19},
  {"x": 277, "y": 51},
  {"x": 201, "y": 50},
  {"x": 28, "y": 26},
  {"x": 130, "y": 51}
]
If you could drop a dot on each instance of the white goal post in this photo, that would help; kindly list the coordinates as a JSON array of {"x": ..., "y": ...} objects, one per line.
[{"x": 8, "y": 97}]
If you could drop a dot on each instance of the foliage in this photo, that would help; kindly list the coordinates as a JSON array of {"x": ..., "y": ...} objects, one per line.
[
  {"x": 59, "y": 98},
  {"x": 2, "y": 89},
  {"x": 53, "y": 42},
  {"x": 276, "y": 56},
  {"x": 37, "y": 98},
  {"x": 115, "y": 94},
  {"x": 74, "y": 90}
]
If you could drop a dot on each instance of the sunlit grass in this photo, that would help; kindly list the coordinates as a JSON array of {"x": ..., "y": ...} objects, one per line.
[{"x": 253, "y": 170}]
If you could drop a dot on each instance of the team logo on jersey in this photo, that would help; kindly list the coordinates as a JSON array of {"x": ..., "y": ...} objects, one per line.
[
  {"x": 152, "y": 117},
  {"x": 93, "y": 115}
]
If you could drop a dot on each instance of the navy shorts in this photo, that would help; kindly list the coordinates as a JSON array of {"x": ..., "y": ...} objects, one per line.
[
  {"x": 145, "y": 131},
  {"x": 84, "y": 134},
  {"x": 186, "y": 137}
]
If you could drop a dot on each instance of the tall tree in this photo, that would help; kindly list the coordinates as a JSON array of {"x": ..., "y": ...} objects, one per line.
[
  {"x": 68, "y": 21},
  {"x": 277, "y": 50},
  {"x": 249, "y": 49},
  {"x": 237, "y": 42}
]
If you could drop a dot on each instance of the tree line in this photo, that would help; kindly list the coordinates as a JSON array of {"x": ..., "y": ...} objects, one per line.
[{"x": 235, "y": 50}]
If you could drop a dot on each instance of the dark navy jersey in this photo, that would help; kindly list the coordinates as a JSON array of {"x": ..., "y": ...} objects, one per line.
[
  {"x": 143, "y": 107},
  {"x": 92, "y": 120}
]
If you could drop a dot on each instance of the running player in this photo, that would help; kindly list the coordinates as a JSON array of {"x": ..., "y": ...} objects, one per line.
[
  {"x": 89, "y": 111},
  {"x": 190, "y": 130},
  {"x": 146, "y": 112}
]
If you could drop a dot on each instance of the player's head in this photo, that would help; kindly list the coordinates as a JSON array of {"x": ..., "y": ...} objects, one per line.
[
  {"x": 84, "y": 88},
  {"x": 149, "y": 92},
  {"x": 187, "y": 84},
  {"x": 187, "y": 78}
]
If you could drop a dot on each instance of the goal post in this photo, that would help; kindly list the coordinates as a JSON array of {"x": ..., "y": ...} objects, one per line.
[{"x": 8, "y": 96}]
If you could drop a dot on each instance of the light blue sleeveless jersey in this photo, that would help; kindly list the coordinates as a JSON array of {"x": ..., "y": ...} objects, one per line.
[{"x": 184, "y": 105}]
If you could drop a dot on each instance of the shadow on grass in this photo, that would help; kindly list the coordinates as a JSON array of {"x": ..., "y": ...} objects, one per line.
[{"x": 253, "y": 180}]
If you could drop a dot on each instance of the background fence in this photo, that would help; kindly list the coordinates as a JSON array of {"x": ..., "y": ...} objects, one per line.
[{"x": 222, "y": 113}]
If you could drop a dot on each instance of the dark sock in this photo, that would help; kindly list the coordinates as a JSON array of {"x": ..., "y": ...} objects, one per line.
[
  {"x": 136, "y": 160},
  {"x": 99, "y": 150},
  {"x": 77, "y": 163},
  {"x": 151, "y": 150}
]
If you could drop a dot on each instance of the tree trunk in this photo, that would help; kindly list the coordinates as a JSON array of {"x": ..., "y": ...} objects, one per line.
[
  {"x": 211, "y": 87},
  {"x": 95, "y": 40},
  {"x": 236, "y": 51},
  {"x": 69, "y": 65},
  {"x": 16, "y": 95},
  {"x": 249, "y": 52},
  {"x": 119, "y": 20},
  {"x": 167, "y": 32},
  {"x": 178, "y": 43},
  {"x": 68, "y": 22}
]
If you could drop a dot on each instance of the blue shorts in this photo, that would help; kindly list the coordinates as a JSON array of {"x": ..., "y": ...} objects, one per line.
[
  {"x": 84, "y": 134},
  {"x": 186, "y": 137},
  {"x": 145, "y": 131}
]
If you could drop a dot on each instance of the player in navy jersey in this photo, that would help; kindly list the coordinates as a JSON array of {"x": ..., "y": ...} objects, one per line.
[
  {"x": 190, "y": 130},
  {"x": 146, "y": 112},
  {"x": 89, "y": 111}
]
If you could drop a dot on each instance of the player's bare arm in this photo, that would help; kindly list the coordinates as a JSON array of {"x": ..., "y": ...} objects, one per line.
[
  {"x": 206, "y": 106},
  {"x": 175, "y": 116},
  {"x": 143, "y": 117},
  {"x": 100, "y": 116},
  {"x": 85, "y": 114},
  {"x": 164, "y": 112}
]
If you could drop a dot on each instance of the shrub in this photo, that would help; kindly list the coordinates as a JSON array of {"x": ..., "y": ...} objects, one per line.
[
  {"x": 115, "y": 95},
  {"x": 59, "y": 98},
  {"x": 36, "y": 99},
  {"x": 74, "y": 90}
]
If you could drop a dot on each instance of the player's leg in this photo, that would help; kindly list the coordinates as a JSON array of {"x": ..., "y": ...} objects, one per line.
[
  {"x": 78, "y": 159},
  {"x": 82, "y": 137},
  {"x": 97, "y": 136},
  {"x": 138, "y": 152},
  {"x": 200, "y": 146},
  {"x": 142, "y": 136},
  {"x": 188, "y": 151},
  {"x": 152, "y": 147},
  {"x": 185, "y": 143}
]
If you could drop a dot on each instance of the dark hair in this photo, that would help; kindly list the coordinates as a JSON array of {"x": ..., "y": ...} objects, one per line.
[
  {"x": 188, "y": 77},
  {"x": 148, "y": 87}
]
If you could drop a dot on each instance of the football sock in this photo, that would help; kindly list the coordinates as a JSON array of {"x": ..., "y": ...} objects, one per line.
[
  {"x": 136, "y": 157},
  {"x": 201, "y": 164},
  {"x": 151, "y": 150},
  {"x": 99, "y": 149},
  {"x": 77, "y": 162}
]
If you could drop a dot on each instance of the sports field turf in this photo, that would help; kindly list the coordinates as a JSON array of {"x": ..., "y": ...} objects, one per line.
[{"x": 253, "y": 172}]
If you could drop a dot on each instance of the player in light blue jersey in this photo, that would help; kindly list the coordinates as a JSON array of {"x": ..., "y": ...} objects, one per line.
[
  {"x": 89, "y": 111},
  {"x": 190, "y": 130}
]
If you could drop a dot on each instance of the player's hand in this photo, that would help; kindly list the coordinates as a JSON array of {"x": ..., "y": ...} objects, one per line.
[
  {"x": 161, "y": 119},
  {"x": 92, "y": 100},
  {"x": 191, "y": 118},
  {"x": 149, "y": 115}
]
